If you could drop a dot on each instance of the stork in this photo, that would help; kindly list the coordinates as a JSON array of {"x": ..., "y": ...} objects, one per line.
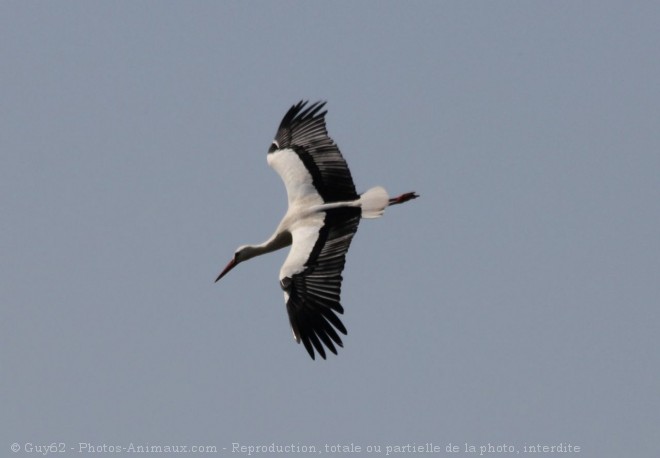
[{"x": 323, "y": 214}]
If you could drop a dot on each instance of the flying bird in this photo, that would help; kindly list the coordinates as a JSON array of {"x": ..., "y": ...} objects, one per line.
[{"x": 322, "y": 217}]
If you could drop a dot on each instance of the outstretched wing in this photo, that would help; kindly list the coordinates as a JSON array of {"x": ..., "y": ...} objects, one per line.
[
  {"x": 307, "y": 159},
  {"x": 311, "y": 278}
]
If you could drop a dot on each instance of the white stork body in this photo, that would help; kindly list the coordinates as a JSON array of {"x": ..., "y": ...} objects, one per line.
[{"x": 323, "y": 215}]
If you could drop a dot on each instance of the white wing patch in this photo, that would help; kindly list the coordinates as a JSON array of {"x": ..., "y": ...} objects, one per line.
[
  {"x": 303, "y": 239},
  {"x": 297, "y": 180}
]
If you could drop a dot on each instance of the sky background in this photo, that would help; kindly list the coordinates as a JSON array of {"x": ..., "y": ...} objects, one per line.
[{"x": 516, "y": 302}]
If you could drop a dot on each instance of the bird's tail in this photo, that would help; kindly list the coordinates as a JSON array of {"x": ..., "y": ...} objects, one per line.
[{"x": 373, "y": 202}]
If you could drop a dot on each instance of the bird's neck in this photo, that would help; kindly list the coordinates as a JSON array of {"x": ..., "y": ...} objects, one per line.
[{"x": 277, "y": 241}]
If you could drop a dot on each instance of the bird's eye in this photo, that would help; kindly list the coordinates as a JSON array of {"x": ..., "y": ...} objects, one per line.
[{"x": 273, "y": 147}]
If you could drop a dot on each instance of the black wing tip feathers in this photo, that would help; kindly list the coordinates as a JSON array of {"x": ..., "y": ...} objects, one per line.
[
  {"x": 318, "y": 332},
  {"x": 316, "y": 342},
  {"x": 300, "y": 112}
]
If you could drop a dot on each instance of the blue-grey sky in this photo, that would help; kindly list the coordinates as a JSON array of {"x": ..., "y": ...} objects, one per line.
[{"x": 516, "y": 302}]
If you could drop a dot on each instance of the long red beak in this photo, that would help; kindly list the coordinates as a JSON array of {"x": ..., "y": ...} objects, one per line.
[{"x": 229, "y": 266}]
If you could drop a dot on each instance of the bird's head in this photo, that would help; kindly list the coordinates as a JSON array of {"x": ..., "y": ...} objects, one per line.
[{"x": 242, "y": 253}]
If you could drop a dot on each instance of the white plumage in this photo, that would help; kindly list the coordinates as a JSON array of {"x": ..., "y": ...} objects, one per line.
[{"x": 322, "y": 218}]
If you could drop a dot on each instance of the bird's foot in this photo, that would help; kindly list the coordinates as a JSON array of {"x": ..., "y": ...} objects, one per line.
[{"x": 403, "y": 198}]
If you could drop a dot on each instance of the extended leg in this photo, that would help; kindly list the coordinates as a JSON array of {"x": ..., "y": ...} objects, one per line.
[{"x": 403, "y": 198}]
